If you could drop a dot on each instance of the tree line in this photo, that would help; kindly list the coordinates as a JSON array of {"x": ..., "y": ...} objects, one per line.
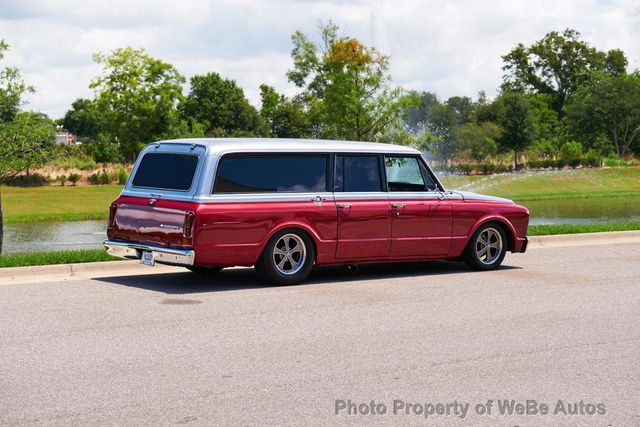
[{"x": 560, "y": 98}]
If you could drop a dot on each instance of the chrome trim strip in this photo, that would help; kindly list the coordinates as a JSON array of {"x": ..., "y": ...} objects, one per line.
[
  {"x": 374, "y": 195},
  {"x": 405, "y": 195},
  {"x": 262, "y": 197},
  {"x": 161, "y": 254}
]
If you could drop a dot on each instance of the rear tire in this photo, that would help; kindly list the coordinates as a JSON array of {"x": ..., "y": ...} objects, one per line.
[
  {"x": 204, "y": 270},
  {"x": 487, "y": 248},
  {"x": 287, "y": 259}
]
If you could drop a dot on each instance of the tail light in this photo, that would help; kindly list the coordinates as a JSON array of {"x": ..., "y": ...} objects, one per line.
[
  {"x": 112, "y": 213},
  {"x": 188, "y": 224}
]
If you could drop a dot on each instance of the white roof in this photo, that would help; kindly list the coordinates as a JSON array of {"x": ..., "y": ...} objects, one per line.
[{"x": 219, "y": 146}]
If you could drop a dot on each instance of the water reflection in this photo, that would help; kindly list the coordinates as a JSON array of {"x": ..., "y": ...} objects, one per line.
[{"x": 53, "y": 236}]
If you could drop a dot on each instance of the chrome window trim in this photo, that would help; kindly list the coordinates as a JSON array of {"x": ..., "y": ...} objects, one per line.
[
  {"x": 404, "y": 195},
  {"x": 364, "y": 195},
  {"x": 193, "y": 149},
  {"x": 262, "y": 197}
]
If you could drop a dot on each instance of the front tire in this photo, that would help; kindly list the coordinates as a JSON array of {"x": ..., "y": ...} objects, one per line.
[
  {"x": 487, "y": 248},
  {"x": 288, "y": 258}
]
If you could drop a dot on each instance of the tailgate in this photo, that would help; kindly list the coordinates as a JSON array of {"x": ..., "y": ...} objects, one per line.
[{"x": 146, "y": 220}]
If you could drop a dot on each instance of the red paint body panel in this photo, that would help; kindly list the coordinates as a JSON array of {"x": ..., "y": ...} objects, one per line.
[
  {"x": 235, "y": 233},
  {"x": 364, "y": 229},
  {"x": 421, "y": 228},
  {"x": 227, "y": 234}
]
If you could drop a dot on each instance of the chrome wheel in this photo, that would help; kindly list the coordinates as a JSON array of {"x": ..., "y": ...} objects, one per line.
[
  {"x": 489, "y": 246},
  {"x": 289, "y": 254}
]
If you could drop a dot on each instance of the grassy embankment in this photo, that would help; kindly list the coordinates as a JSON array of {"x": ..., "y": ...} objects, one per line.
[
  {"x": 57, "y": 203},
  {"x": 48, "y": 258}
]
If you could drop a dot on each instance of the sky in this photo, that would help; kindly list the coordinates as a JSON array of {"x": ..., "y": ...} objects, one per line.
[{"x": 448, "y": 47}]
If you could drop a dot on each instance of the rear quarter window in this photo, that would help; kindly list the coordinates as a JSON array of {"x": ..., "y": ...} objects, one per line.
[
  {"x": 166, "y": 171},
  {"x": 272, "y": 174}
]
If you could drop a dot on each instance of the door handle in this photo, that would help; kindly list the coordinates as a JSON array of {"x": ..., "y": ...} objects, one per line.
[
  {"x": 344, "y": 206},
  {"x": 395, "y": 207}
]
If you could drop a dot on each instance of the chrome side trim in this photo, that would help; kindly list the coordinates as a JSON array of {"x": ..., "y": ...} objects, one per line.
[
  {"x": 161, "y": 254},
  {"x": 263, "y": 197}
]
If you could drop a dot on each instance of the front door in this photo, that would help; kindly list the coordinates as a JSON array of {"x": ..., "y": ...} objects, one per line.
[
  {"x": 422, "y": 217},
  {"x": 364, "y": 213}
]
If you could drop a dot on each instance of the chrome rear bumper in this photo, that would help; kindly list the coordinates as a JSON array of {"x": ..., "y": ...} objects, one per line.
[{"x": 161, "y": 254}]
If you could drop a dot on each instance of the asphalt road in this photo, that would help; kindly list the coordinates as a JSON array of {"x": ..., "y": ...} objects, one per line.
[{"x": 554, "y": 324}]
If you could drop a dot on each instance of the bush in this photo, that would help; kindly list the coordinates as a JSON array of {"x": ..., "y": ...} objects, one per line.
[
  {"x": 571, "y": 151},
  {"x": 104, "y": 151},
  {"x": 122, "y": 175},
  {"x": 62, "y": 179},
  {"x": 592, "y": 158},
  {"x": 74, "y": 178},
  {"x": 33, "y": 179},
  {"x": 487, "y": 168}
]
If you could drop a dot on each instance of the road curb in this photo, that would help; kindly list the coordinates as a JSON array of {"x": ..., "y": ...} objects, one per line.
[
  {"x": 584, "y": 239},
  {"x": 89, "y": 270},
  {"x": 92, "y": 270}
]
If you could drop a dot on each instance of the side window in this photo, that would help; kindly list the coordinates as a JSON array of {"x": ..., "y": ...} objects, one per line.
[
  {"x": 356, "y": 173},
  {"x": 272, "y": 174},
  {"x": 405, "y": 173}
]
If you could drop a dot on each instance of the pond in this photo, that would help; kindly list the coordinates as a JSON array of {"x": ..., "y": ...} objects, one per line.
[
  {"x": 56, "y": 236},
  {"x": 53, "y": 236},
  {"x": 586, "y": 210}
]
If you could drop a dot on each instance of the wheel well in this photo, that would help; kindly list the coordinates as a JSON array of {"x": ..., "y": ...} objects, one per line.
[
  {"x": 297, "y": 229},
  {"x": 511, "y": 241}
]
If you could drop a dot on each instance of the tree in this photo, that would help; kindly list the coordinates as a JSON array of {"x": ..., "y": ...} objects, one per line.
[
  {"x": 83, "y": 119},
  {"x": 136, "y": 96},
  {"x": 25, "y": 142},
  {"x": 347, "y": 90},
  {"x": 557, "y": 65},
  {"x": 12, "y": 88},
  {"x": 221, "y": 106},
  {"x": 284, "y": 117},
  {"x": 517, "y": 122},
  {"x": 478, "y": 141},
  {"x": 463, "y": 106},
  {"x": 607, "y": 105},
  {"x": 434, "y": 124}
]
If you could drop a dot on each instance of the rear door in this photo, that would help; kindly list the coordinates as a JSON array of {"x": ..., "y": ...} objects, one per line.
[
  {"x": 364, "y": 214},
  {"x": 422, "y": 217},
  {"x": 155, "y": 205}
]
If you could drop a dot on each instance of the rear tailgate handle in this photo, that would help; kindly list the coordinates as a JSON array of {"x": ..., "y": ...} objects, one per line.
[{"x": 154, "y": 198}]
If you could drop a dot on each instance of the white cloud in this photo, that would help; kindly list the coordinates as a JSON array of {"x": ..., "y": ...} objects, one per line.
[{"x": 452, "y": 48}]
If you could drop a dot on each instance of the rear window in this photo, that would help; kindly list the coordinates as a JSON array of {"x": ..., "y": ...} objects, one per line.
[
  {"x": 166, "y": 171},
  {"x": 272, "y": 174}
]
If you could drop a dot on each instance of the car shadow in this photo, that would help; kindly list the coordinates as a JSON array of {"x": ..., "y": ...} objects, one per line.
[{"x": 246, "y": 278}]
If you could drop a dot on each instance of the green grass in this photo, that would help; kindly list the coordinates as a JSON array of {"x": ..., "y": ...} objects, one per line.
[
  {"x": 546, "y": 230},
  {"x": 57, "y": 203},
  {"x": 48, "y": 258}
]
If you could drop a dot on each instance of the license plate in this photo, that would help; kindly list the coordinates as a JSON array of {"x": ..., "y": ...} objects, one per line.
[{"x": 147, "y": 258}]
